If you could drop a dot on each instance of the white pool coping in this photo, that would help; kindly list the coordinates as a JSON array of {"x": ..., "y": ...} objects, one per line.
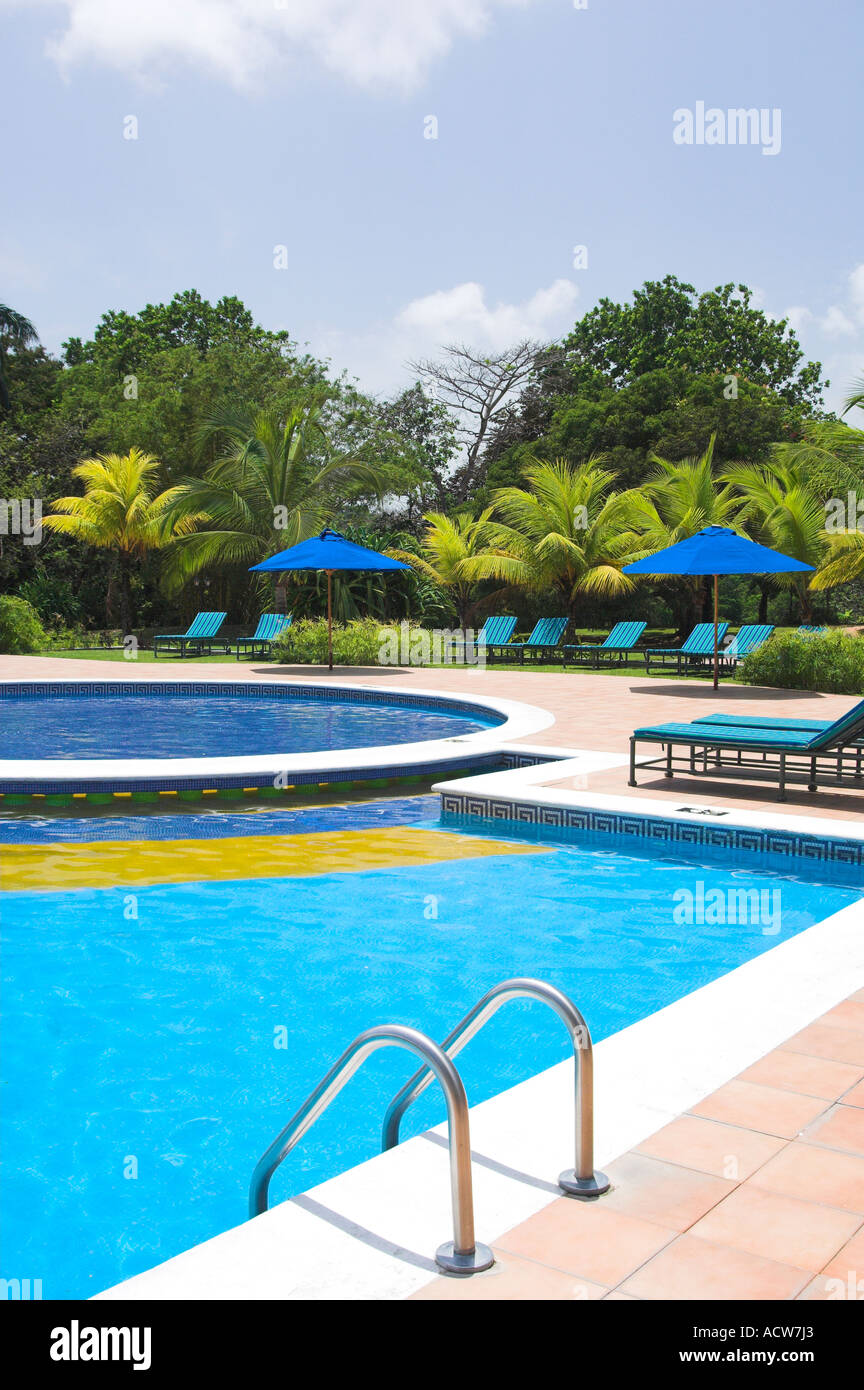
[
  {"x": 519, "y": 719},
  {"x": 370, "y": 1233}
]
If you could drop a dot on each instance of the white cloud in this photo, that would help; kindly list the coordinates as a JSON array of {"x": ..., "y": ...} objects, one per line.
[
  {"x": 836, "y": 324},
  {"x": 856, "y": 291},
  {"x": 369, "y": 42},
  {"x": 379, "y": 357},
  {"x": 462, "y": 315},
  {"x": 798, "y": 315}
]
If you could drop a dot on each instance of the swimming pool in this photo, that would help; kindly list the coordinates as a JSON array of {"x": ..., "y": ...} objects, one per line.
[
  {"x": 183, "y": 982},
  {"x": 158, "y": 721}
]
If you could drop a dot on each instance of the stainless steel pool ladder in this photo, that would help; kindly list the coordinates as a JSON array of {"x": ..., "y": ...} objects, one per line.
[
  {"x": 462, "y": 1255},
  {"x": 579, "y": 1181}
]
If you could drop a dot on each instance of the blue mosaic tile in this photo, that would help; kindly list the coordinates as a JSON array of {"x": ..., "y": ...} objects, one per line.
[{"x": 572, "y": 821}]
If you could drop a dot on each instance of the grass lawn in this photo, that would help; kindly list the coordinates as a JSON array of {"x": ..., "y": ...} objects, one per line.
[
  {"x": 117, "y": 654},
  {"x": 633, "y": 670}
]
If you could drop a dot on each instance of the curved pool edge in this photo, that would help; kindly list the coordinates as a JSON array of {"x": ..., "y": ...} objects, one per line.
[{"x": 127, "y": 776}]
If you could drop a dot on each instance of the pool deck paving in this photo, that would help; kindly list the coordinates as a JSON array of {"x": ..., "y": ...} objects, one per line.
[
  {"x": 757, "y": 1193},
  {"x": 592, "y": 711}
]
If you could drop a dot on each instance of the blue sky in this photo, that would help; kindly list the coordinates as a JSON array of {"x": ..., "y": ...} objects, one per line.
[{"x": 300, "y": 123}]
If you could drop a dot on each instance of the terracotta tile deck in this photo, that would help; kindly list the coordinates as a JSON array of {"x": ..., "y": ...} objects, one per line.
[{"x": 757, "y": 1193}]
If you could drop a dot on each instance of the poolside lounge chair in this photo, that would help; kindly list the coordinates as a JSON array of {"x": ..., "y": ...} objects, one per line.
[
  {"x": 621, "y": 640},
  {"x": 495, "y": 632},
  {"x": 745, "y": 641},
  {"x": 199, "y": 635},
  {"x": 543, "y": 642},
  {"x": 700, "y": 643},
  {"x": 808, "y": 630},
  {"x": 771, "y": 748},
  {"x": 269, "y": 627}
]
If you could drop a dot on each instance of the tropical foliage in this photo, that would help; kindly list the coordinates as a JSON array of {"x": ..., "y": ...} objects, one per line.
[{"x": 651, "y": 419}]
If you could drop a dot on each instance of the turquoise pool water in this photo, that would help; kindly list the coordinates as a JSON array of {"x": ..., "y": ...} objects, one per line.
[{"x": 143, "y": 1066}]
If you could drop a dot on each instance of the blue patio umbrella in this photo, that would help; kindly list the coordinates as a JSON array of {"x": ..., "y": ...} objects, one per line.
[
  {"x": 716, "y": 550},
  {"x": 329, "y": 552}
]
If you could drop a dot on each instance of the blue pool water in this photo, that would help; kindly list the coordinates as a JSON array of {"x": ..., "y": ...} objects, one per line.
[
  {"x": 145, "y": 1044},
  {"x": 198, "y": 726}
]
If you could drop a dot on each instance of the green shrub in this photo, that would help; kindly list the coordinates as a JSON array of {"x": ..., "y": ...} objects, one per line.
[
  {"x": 20, "y": 628},
  {"x": 365, "y": 642},
  {"x": 833, "y": 663}
]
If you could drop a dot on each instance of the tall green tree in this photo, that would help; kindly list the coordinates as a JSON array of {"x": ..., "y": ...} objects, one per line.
[
  {"x": 16, "y": 333},
  {"x": 120, "y": 510},
  {"x": 448, "y": 549},
  {"x": 565, "y": 533},
  {"x": 273, "y": 483}
]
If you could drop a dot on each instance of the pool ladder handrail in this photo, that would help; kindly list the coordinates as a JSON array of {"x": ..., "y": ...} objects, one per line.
[
  {"x": 579, "y": 1181},
  {"x": 462, "y": 1255}
]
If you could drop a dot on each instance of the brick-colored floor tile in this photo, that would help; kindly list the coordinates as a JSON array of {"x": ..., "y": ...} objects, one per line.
[
  {"x": 826, "y": 1290},
  {"x": 587, "y": 1240},
  {"x": 662, "y": 1192},
  {"x": 816, "y": 1175},
  {"x": 710, "y": 1147},
  {"x": 849, "y": 1014},
  {"x": 513, "y": 1280},
  {"x": 842, "y": 1127},
  {"x": 842, "y": 1280},
  {"x": 855, "y": 1096},
  {"x": 809, "y": 1076},
  {"x": 764, "y": 1108},
  {"x": 823, "y": 1040},
  {"x": 783, "y": 1229},
  {"x": 697, "y": 1269}
]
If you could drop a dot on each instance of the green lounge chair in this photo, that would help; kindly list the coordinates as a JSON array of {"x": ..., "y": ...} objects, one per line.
[
  {"x": 768, "y": 748},
  {"x": 269, "y": 627},
  {"x": 545, "y": 639},
  {"x": 621, "y": 640},
  {"x": 495, "y": 632},
  {"x": 700, "y": 643},
  {"x": 745, "y": 641},
  {"x": 199, "y": 634},
  {"x": 808, "y": 630}
]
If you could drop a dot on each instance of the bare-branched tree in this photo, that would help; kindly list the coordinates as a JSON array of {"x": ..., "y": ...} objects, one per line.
[{"x": 477, "y": 388}]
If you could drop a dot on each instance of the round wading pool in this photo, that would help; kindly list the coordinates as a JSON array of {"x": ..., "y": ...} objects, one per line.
[
  {"x": 149, "y": 721},
  {"x": 141, "y": 736}
]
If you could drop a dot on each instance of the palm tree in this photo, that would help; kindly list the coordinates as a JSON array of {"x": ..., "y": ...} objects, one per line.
[
  {"x": 448, "y": 548},
  {"x": 16, "y": 332},
  {"x": 270, "y": 486},
  {"x": 855, "y": 397},
  {"x": 781, "y": 509},
  {"x": 120, "y": 510},
  {"x": 831, "y": 459},
  {"x": 682, "y": 497},
  {"x": 566, "y": 532}
]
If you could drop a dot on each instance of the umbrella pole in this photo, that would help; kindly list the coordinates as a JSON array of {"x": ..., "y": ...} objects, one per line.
[
  {"x": 716, "y": 624},
  {"x": 330, "y": 616}
]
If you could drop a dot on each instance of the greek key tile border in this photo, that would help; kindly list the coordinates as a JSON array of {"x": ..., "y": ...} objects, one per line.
[
  {"x": 251, "y": 690},
  {"x": 792, "y": 845}
]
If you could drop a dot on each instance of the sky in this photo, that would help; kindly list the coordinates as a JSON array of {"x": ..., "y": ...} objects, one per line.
[{"x": 381, "y": 177}]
